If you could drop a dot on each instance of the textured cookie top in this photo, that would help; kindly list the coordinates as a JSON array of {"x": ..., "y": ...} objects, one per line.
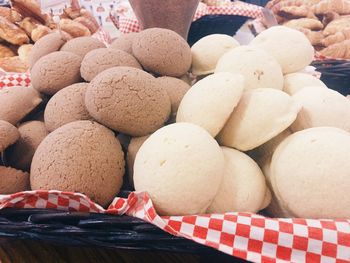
[
  {"x": 128, "y": 100},
  {"x": 82, "y": 45},
  {"x": 56, "y": 71},
  {"x": 81, "y": 156},
  {"x": 124, "y": 42},
  {"x": 101, "y": 59},
  {"x": 162, "y": 52},
  {"x": 66, "y": 106},
  {"x": 13, "y": 181}
]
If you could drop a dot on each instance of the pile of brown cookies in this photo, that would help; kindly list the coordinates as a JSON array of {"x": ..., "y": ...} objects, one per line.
[
  {"x": 24, "y": 24},
  {"x": 325, "y": 22}
]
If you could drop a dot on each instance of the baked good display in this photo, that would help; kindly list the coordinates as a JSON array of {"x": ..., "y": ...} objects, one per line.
[
  {"x": 24, "y": 23},
  {"x": 207, "y": 51},
  {"x": 260, "y": 69},
  {"x": 243, "y": 186},
  {"x": 267, "y": 112},
  {"x": 13, "y": 181},
  {"x": 82, "y": 45},
  {"x": 17, "y": 102},
  {"x": 250, "y": 105},
  {"x": 81, "y": 156},
  {"x": 124, "y": 42},
  {"x": 168, "y": 173},
  {"x": 210, "y": 102},
  {"x": 101, "y": 59},
  {"x": 67, "y": 105},
  {"x": 163, "y": 52},
  {"x": 55, "y": 71},
  {"x": 326, "y": 23},
  {"x": 128, "y": 100}
]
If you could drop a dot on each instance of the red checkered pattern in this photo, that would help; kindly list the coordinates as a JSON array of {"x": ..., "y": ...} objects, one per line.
[
  {"x": 130, "y": 24},
  {"x": 244, "y": 235},
  {"x": 15, "y": 79}
]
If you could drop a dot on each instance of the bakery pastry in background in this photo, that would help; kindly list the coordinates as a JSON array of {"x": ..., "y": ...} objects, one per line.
[
  {"x": 39, "y": 32},
  {"x": 74, "y": 28},
  {"x": 13, "y": 64},
  {"x": 6, "y": 51},
  {"x": 24, "y": 51},
  {"x": 12, "y": 33}
]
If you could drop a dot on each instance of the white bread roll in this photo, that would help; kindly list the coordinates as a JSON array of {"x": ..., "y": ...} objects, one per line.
[
  {"x": 289, "y": 47},
  {"x": 260, "y": 69},
  {"x": 260, "y": 115},
  {"x": 181, "y": 166},
  {"x": 243, "y": 186},
  {"x": 325, "y": 107},
  {"x": 207, "y": 51},
  {"x": 210, "y": 102},
  {"x": 296, "y": 81},
  {"x": 310, "y": 173}
]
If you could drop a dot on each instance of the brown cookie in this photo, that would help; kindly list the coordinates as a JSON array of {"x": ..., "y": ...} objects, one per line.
[
  {"x": 82, "y": 45},
  {"x": 128, "y": 100},
  {"x": 13, "y": 181},
  {"x": 163, "y": 52},
  {"x": 55, "y": 71},
  {"x": 101, "y": 59},
  {"x": 124, "y": 42}
]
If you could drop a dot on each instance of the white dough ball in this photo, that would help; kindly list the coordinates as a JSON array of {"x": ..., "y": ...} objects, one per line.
[
  {"x": 296, "y": 81},
  {"x": 181, "y": 167}
]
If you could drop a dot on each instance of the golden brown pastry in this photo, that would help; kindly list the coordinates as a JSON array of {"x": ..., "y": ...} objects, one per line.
[
  {"x": 6, "y": 52},
  {"x": 39, "y": 32},
  {"x": 337, "y": 25},
  {"x": 12, "y": 33},
  {"x": 74, "y": 28},
  {"x": 315, "y": 37},
  {"x": 293, "y": 12},
  {"x": 93, "y": 27},
  {"x": 341, "y": 7},
  {"x": 30, "y": 8},
  {"x": 24, "y": 51},
  {"x": 337, "y": 37},
  {"x": 28, "y": 24},
  {"x": 10, "y": 14},
  {"x": 309, "y": 23},
  {"x": 13, "y": 64},
  {"x": 276, "y": 5},
  {"x": 71, "y": 12},
  {"x": 337, "y": 50}
]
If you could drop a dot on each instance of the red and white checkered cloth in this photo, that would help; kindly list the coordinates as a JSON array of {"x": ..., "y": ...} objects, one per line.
[
  {"x": 128, "y": 24},
  {"x": 244, "y": 235}
]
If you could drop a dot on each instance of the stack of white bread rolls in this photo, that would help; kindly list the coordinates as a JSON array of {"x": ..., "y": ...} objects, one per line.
[{"x": 253, "y": 133}]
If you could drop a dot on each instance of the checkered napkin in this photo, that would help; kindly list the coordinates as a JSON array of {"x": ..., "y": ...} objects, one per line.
[
  {"x": 128, "y": 24},
  {"x": 248, "y": 236}
]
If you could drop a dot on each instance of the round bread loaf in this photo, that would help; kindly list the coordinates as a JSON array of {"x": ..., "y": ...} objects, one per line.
[
  {"x": 134, "y": 146},
  {"x": 290, "y": 47},
  {"x": 207, "y": 51},
  {"x": 259, "y": 69},
  {"x": 55, "y": 71},
  {"x": 181, "y": 167},
  {"x": 8, "y": 135},
  {"x": 67, "y": 105},
  {"x": 310, "y": 172},
  {"x": 81, "y": 156},
  {"x": 243, "y": 186},
  {"x": 260, "y": 115},
  {"x": 20, "y": 155},
  {"x": 17, "y": 102},
  {"x": 128, "y": 100},
  {"x": 101, "y": 59},
  {"x": 296, "y": 81},
  {"x": 46, "y": 45},
  {"x": 82, "y": 45},
  {"x": 162, "y": 52},
  {"x": 210, "y": 102},
  {"x": 13, "y": 181},
  {"x": 322, "y": 107},
  {"x": 124, "y": 42},
  {"x": 176, "y": 89},
  {"x": 267, "y": 199}
]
